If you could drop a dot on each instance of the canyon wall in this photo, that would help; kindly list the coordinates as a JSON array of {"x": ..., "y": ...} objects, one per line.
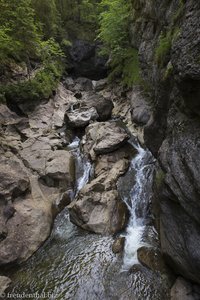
[{"x": 166, "y": 34}]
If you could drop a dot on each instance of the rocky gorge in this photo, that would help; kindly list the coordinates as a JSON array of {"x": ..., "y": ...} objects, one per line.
[
  {"x": 171, "y": 128},
  {"x": 40, "y": 169},
  {"x": 40, "y": 176}
]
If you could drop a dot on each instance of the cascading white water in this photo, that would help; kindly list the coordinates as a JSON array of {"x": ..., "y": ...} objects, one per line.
[
  {"x": 74, "y": 264},
  {"x": 137, "y": 198},
  {"x": 83, "y": 165}
]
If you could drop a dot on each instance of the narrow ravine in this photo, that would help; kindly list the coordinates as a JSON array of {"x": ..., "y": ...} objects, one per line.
[{"x": 74, "y": 264}]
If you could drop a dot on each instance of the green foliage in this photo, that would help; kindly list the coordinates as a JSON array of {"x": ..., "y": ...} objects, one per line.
[
  {"x": 164, "y": 48},
  {"x": 168, "y": 71},
  {"x": 114, "y": 24},
  {"x": 128, "y": 68},
  {"x": 159, "y": 178},
  {"x": 38, "y": 87},
  {"x": 50, "y": 51},
  {"x": 17, "y": 27},
  {"x": 21, "y": 41},
  {"x": 47, "y": 15},
  {"x": 79, "y": 18},
  {"x": 114, "y": 33},
  {"x": 131, "y": 70}
]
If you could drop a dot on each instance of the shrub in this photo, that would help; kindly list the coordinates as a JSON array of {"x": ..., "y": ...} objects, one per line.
[
  {"x": 39, "y": 87},
  {"x": 114, "y": 33},
  {"x": 164, "y": 48},
  {"x": 131, "y": 68}
]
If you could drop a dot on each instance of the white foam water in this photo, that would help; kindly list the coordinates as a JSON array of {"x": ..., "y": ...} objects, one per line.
[
  {"x": 138, "y": 202},
  {"x": 83, "y": 165}
]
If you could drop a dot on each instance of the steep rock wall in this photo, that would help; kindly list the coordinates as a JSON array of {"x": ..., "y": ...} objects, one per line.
[{"x": 167, "y": 35}]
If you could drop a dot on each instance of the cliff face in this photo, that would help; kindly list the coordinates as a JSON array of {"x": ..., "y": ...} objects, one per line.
[{"x": 166, "y": 32}]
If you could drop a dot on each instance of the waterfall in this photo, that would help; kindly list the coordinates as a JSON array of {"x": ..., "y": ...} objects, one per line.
[
  {"x": 135, "y": 189},
  {"x": 83, "y": 165}
]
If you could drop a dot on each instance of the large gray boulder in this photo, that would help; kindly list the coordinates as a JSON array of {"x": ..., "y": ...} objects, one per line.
[
  {"x": 98, "y": 207},
  {"x": 102, "y": 138},
  {"x": 33, "y": 220},
  {"x": 60, "y": 169},
  {"x": 140, "y": 110},
  {"x": 13, "y": 178},
  {"x": 81, "y": 117},
  {"x": 103, "y": 106},
  {"x": 38, "y": 155},
  {"x": 37, "y": 181}
]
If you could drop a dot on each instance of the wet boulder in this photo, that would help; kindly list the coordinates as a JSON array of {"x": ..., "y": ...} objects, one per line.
[
  {"x": 81, "y": 117},
  {"x": 98, "y": 207},
  {"x": 118, "y": 245},
  {"x": 98, "y": 210},
  {"x": 151, "y": 258}
]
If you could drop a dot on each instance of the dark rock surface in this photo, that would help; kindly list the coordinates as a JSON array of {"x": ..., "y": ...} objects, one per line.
[
  {"x": 151, "y": 258},
  {"x": 184, "y": 290},
  {"x": 103, "y": 106},
  {"x": 173, "y": 131},
  {"x": 180, "y": 240},
  {"x": 86, "y": 61},
  {"x": 140, "y": 110},
  {"x": 118, "y": 245}
]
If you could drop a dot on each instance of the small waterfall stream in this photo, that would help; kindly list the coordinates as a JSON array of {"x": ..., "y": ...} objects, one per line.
[
  {"x": 76, "y": 265},
  {"x": 83, "y": 165},
  {"x": 135, "y": 188}
]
